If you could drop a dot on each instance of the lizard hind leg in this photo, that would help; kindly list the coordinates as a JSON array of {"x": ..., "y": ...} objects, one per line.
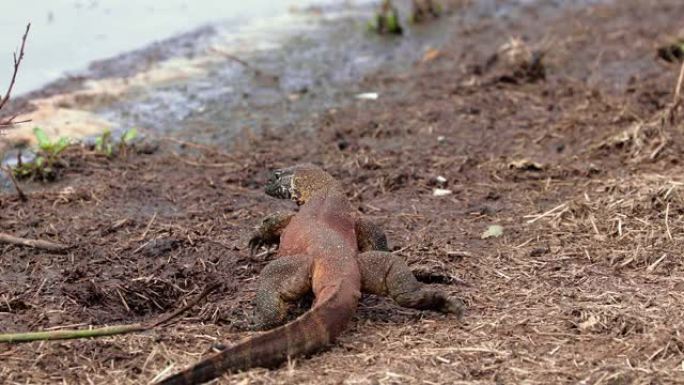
[
  {"x": 283, "y": 280},
  {"x": 383, "y": 273},
  {"x": 370, "y": 236}
]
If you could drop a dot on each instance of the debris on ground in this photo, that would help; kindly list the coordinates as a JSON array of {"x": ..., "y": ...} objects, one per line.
[
  {"x": 424, "y": 10},
  {"x": 673, "y": 53},
  {"x": 584, "y": 286}
]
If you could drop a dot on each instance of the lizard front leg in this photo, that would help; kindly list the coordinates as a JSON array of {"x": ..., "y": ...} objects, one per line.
[
  {"x": 269, "y": 231},
  {"x": 385, "y": 274},
  {"x": 283, "y": 280},
  {"x": 370, "y": 236}
]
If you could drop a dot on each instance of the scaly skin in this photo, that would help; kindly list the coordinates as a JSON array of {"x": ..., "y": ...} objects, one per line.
[{"x": 326, "y": 249}]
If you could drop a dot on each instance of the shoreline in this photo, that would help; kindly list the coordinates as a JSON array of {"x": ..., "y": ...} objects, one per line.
[
  {"x": 191, "y": 82},
  {"x": 567, "y": 157}
]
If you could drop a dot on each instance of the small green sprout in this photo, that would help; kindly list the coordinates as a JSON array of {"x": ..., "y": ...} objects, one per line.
[
  {"x": 103, "y": 143},
  {"x": 47, "y": 159},
  {"x": 386, "y": 20},
  {"x": 106, "y": 145},
  {"x": 129, "y": 135}
]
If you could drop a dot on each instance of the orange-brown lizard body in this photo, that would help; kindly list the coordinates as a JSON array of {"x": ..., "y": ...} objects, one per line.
[{"x": 326, "y": 249}]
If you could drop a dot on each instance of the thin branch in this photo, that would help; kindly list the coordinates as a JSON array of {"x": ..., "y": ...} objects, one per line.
[
  {"x": 70, "y": 334},
  {"x": 17, "y": 63},
  {"x": 104, "y": 331},
  {"x": 10, "y": 122},
  {"x": 10, "y": 174},
  {"x": 677, "y": 100},
  {"x": 208, "y": 290},
  {"x": 35, "y": 243},
  {"x": 678, "y": 88},
  {"x": 245, "y": 64}
]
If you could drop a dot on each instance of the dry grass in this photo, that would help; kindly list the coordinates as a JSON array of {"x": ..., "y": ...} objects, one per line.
[{"x": 586, "y": 285}]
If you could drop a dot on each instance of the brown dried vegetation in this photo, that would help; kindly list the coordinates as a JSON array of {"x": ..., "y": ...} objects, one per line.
[{"x": 586, "y": 285}]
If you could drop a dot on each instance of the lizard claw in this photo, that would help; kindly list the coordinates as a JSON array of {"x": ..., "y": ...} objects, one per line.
[
  {"x": 218, "y": 347},
  {"x": 255, "y": 242}
]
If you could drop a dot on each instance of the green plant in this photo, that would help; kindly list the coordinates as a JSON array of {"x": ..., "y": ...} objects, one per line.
[
  {"x": 47, "y": 159},
  {"x": 106, "y": 145},
  {"x": 386, "y": 20}
]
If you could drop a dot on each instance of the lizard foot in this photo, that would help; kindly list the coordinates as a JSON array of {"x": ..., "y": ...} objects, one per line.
[
  {"x": 257, "y": 324},
  {"x": 218, "y": 347},
  {"x": 453, "y": 305},
  {"x": 256, "y": 241}
]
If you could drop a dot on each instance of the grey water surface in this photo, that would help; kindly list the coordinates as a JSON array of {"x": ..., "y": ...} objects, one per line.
[
  {"x": 282, "y": 64},
  {"x": 68, "y": 34}
]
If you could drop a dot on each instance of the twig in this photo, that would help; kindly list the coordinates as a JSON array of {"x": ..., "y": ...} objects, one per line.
[
  {"x": 678, "y": 89},
  {"x": 204, "y": 165},
  {"x": 10, "y": 174},
  {"x": 70, "y": 334},
  {"x": 677, "y": 101},
  {"x": 667, "y": 222},
  {"x": 208, "y": 290},
  {"x": 148, "y": 227},
  {"x": 655, "y": 264},
  {"x": 540, "y": 216},
  {"x": 243, "y": 63},
  {"x": 104, "y": 331},
  {"x": 17, "y": 63},
  {"x": 10, "y": 122},
  {"x": 36, "y": 243}
]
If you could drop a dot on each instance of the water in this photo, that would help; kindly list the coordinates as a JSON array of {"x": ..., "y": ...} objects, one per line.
[
  {"x": 66, "y": 35},
  {"x": 190, "y": 86},
  {"x": 310, "y": 63}
]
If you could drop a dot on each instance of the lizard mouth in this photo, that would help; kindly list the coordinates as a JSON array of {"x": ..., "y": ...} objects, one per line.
[
  {"x": 279, "y": 185},
  {"x": 281, "y": 192}
]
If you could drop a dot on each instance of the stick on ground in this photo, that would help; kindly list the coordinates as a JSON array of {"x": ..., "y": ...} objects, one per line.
[
  {"x": 71, "y": 334},
  {"x": 35, "y": 243},
  {"x": 20, "y": 192},
  {"x": 104, "y": 331}
]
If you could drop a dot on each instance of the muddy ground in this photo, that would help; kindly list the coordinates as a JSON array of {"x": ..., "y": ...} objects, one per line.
[{"x": 586, "y": 285}]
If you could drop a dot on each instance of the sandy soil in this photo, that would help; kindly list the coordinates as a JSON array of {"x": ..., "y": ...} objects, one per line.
[{"x": 581, "y": 169}]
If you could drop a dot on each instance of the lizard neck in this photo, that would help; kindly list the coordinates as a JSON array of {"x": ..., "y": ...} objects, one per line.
[{"x": 327, "y": 199}]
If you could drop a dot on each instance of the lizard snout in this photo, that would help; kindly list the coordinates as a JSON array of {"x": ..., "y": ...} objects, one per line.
[{"x": 278, "y": 186}]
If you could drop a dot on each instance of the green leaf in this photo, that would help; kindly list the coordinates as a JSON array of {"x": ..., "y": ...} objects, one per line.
[
  {"x": 129, "y": 135},
  {"x": 102, "y": 141},
  {"x": 60, "y": 146},
  {"x": 393, "y": 23},
  {"x": 493, "y": 231},
  {"x": 40, "y": 161},
  {"x": 43, "y": 140},
  {"x": 22, "y": 171}
]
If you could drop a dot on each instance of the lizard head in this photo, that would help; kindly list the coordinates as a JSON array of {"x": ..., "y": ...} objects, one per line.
[{"x": 299, "y": 183}]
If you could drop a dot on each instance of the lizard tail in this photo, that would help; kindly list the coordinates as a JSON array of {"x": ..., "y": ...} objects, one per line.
[{"x": 311, "y": 332}]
